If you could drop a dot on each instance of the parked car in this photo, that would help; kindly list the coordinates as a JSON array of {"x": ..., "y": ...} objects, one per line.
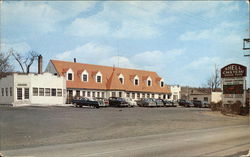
[
  {"x": 159, "y": 102},
  {"x": 185, "y": 103},
  {"x": 146, "y": 102},
  {"x": 85, "y": 102},
  {"x": 168, "y": 103},
  {"x": 117, "y": 102},
  {"x": 197, "y": 103},
  {"x": 131, "y": 102},
  {"x": 103, "y": 101}
]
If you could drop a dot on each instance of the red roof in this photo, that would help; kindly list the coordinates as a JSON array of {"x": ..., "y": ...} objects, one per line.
[{"x": 110, "y": 77}]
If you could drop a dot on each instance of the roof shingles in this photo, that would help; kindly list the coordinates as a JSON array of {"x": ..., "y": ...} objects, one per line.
[{"x": 110, "y": 78}]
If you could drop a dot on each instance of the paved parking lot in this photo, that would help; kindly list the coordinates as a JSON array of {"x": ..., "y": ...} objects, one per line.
[{"x": 36, "y": 126}]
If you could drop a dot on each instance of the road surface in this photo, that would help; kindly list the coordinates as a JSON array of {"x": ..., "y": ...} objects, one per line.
[{"x": 220, "y": 141}]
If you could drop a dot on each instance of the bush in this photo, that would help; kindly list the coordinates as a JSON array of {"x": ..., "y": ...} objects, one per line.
[{"x": 216, "y": 106}]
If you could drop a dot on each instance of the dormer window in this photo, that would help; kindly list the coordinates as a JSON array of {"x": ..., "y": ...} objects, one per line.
[
  {"x": 162, "y": 83},
  {"x": 85, "y": 77},
  {"x": 99, "y": 79},
  {"x": 121, "y": 78},
  {"x": 149, "y": 82},
  {"x": 70, "y": 77},
  {"x": 136, "y": 80}
]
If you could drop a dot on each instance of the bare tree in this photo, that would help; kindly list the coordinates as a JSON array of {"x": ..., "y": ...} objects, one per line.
[
  {"x": 214, "y": 81},
  {"x": 25, "y": 61},
  {"x": 5, "y": 65}
]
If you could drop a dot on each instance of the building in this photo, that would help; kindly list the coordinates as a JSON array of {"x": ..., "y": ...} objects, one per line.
[
  {"x": 88, "y": 80},
  {"x": 175, "y": 92},
  {"x": 216, "y": 97},
  {"x": 201, "y": 94},
  {"x": 32, "y": 89}
]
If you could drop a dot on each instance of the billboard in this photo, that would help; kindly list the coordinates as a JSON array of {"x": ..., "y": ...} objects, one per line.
[
  {"x": 233, "y": 70},
  {"x": 233, "y": 89}
]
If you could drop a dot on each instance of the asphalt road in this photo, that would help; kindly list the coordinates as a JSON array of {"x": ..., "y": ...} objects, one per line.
[
  {"x": 76, "y": 132},
  {"x": 214, "y": 142}
]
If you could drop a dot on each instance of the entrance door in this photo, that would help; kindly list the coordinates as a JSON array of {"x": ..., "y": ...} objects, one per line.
[
  {"x": 19, "y": 93},
  {"x": 69, "y": 96}
]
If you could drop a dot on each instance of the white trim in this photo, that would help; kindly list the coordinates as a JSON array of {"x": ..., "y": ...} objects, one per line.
[
  {"x": 121, "y": 76},
  {"x": 70, "y": 71},
  {"x": 136, "y": 78},
  {"x": 98, "y": 74},
  {"x": 151, "y": 82},
  {"x": 85, "y": 73}
]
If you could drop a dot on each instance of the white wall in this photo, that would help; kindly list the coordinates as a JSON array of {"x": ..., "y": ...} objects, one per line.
[
  {"x": 175, "y": 90},
  {"x": 46, "y": 80},
  {"x": 216, "y": 97},
  {"x": 7, "y": 82}
]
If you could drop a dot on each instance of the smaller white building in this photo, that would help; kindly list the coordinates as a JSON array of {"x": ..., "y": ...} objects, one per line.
[
  {"x": 175, "y": 92},
  {"x": 33, "y": 89},
  {"x": 216, "y": 97}
]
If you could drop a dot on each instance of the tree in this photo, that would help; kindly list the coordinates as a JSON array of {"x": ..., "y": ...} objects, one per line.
[
  {"x": 214, "y": 81},
  {"x": 5, "y": 65},
  {"x": 25, "y": 61}
]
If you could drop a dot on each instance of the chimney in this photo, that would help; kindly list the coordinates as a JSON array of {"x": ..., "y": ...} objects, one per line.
[
  {"x": 74, "y": 60},
  {"x": 40, "y": 64}
]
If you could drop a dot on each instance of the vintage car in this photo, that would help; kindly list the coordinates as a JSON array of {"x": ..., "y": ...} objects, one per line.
[
  {"x": 85, "y": 102},
  {"x": 117, "y": 102},
  {"x": 185, "y": 103},
  {"x": 146, "y": 102},
  {"x": 131, "y": 102},
  {"x": 103, "y": 101},
  {"x": 159, "y": 102}
]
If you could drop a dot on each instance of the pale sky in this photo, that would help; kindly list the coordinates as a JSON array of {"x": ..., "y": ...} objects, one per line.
[{"x": 180, "y": 40}]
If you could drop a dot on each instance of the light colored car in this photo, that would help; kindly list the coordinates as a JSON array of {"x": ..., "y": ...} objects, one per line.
[{"x": 131, "y": 102}]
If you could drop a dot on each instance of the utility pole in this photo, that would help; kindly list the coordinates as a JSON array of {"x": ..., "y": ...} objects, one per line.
[{"x": 246, "y": 41}]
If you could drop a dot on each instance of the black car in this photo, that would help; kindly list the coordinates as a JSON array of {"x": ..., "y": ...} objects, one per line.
[
  {"x": 168, "y": 103},
  {"x": 185, "y": 103},
  {"x": 146, "y": 102},
  {"x": 117, "y": 102},
  {"x": 85, "y": 102},
  {"x": 197, "y": 103}
]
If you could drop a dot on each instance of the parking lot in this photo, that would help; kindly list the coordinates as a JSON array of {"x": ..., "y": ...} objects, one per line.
[{"x": 36, "y": 126}]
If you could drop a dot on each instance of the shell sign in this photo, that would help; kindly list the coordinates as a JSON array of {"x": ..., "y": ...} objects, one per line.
[{"x": 233, "y": 70}]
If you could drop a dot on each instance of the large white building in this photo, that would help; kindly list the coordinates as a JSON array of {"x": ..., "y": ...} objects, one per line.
[
  {"x": 32, "y": 89},
  {"x": 175, "y": 92}
]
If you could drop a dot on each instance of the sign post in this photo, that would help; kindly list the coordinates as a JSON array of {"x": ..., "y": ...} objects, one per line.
[{"x": 233, "y": 79}]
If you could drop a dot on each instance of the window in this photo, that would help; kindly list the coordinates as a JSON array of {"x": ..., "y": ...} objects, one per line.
[
  {"x": 148, "y": 95},
  {"x": 85, "y": 77},
  {"x": 10, "y": 91},
  {"x": 83, "y": 93},
  {"x": 35, "y": 91},
  {"x": 41, "y": 91},
  {"x": 206, "y": 99},
  {"x": 121, "y": 80},
  {"x": 113, "y": 94},
  {"x": 164, "y": 96},
  {"x": 136, "y": 81},
  {"x": 6, "y": 91},
  {"x": 143, "y": 95},
  {"x": 162, "y": 83},
  {"x": 93, "y": 94},
  {"x": 98, "y": 94},
  {"x": 70, "y": 77},
  {"x": 120, "y": 94},
  {"x": 19, "y": 93},
  {"x": 153, "y": 95},
  {"x": 2, "y": 91},
  {"x": 103, "y": 94},
  {"x": 78, "y": 93},
  {"x": 88, "y": 94},
  {"x": 53, "y": 92},
  {"x": 138, "y": 95},
  {"x": 133, "y": 95},
  {"x": 26, "y": 93},
  {"x": 59, "y": 92},
  {"x": 149, "y": 83},
  {"x": 128, "y": 94},
  {"x": 47, "y": 91},
  {"x": 99, "y": 79}
]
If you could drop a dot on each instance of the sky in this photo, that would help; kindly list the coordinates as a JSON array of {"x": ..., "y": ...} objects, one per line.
[{"x": 182, "y": 41}]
